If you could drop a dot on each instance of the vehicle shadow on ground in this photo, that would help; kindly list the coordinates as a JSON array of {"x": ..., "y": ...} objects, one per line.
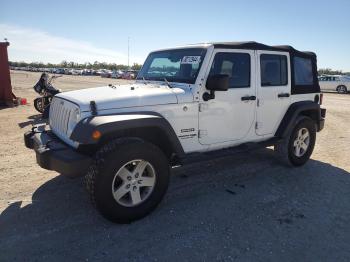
[{"x": 246, "y": 207}]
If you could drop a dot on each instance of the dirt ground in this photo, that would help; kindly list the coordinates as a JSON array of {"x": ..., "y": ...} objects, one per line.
[{"x": 246, "y": 207}]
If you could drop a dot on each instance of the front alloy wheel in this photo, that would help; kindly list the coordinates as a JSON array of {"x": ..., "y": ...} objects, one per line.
[
  {"x": 133, "y": 183},
  {"x": 128, "y": 179}
]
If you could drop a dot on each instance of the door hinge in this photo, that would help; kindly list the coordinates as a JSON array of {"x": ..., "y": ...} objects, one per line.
[
  {"x": 202, "y": 133},
  {"x": 258, "y": 102},
  {"x": 202, "y": 107}
]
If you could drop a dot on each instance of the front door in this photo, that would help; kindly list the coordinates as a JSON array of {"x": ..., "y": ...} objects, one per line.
[
  {"x": 231, "y": 114},
  {"x": 273, "y": 88},
  {"x": 333, "y": 84}
]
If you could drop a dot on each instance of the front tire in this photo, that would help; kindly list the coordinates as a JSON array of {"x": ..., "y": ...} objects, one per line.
[
  {"x": 128, "y": 179},
  {"x": 39, "y": 104},
  {"x": 297, "y": 147}
]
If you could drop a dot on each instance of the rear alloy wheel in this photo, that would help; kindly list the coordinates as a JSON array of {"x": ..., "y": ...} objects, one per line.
[
  {"x": 301, "y": 142},
  {"x": 342, "y": 89}
]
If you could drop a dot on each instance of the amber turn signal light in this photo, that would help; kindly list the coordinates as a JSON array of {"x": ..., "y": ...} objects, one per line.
[{"x": 96, "y": 135}]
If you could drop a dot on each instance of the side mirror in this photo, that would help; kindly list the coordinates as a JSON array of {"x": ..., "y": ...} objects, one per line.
[{"x": 216, "y": 83}]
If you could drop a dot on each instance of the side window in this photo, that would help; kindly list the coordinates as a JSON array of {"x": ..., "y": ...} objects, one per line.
[
  {"x": 303, "y": 73},
  {"x": 235, "y": 65},
  {"x": 273, "y": 70}
]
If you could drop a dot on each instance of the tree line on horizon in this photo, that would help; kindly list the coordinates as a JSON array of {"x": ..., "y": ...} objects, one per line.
[
  {"x": 113, "y": 66},
  {"x": 65, "y": 64},
  {"x": 328, "y": 71}
]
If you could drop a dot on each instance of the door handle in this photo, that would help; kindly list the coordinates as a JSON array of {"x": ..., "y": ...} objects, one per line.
[
  {"x": 283, "y": 95},
  {"x": 247, "y": 98}
]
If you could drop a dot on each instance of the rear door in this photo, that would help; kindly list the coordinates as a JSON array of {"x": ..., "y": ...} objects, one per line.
[{"x": 273, "y": 88}]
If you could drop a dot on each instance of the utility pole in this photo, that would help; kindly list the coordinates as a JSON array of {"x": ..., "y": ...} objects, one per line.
[{"x": 128, "y": 51}]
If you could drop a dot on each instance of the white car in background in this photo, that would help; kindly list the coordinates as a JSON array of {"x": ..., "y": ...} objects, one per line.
[
  {"x": 338, "y": 83},
  {"x": 75, "y": 72},
  {"x": 117, "y": 74},
  {"x": 106, "y": 73}
]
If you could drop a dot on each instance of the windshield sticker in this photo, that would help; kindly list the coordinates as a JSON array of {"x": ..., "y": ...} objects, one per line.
[{"x": 192, "y": 60}]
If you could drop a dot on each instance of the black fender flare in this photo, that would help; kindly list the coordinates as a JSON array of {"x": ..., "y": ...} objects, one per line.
[
  {"x": 121, "y": 125},
  {"x": 307, "y": 108}
]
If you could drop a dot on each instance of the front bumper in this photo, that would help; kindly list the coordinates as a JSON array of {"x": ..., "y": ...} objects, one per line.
[{"x": 53, "y": 154}]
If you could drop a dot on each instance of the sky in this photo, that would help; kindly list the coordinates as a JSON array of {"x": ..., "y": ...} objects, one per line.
[{"x": 88, "y": 31}]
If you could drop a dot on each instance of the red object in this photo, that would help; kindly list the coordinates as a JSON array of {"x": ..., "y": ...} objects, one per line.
[
  {"x": 23, "y": 101},
  {"x": 6, "y": 95}
]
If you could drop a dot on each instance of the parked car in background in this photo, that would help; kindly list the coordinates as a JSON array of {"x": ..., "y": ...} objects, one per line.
[
  {"x": 100, "y": 71},
  {"x": 117, "y": 74},
  {"x": 338, "y": 83},
  {"x": 106, "y": 73},
  {"x": 59, "y": 71},
  {"x": 67, "y": 71},
  {"x": 130, "y": 74},
  {"x": 87, "y": 72},
  {"x": 76, "y": 72}
]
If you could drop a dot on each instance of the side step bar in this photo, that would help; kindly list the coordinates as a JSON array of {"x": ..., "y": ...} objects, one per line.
[{"x": 206, "y": 156}]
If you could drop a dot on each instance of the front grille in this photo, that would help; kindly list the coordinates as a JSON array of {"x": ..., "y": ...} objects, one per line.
[{"x": 60, "y": 111}]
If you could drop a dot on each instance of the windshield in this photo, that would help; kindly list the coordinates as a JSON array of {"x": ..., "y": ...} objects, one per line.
[{"x": 178, "y": 65}]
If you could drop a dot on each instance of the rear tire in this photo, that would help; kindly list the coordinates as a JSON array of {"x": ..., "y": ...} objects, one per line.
[
  {"x": 342, "y": 89},
  {"x": 113, "y": 181},
  {"x": 297, "y": 147}
]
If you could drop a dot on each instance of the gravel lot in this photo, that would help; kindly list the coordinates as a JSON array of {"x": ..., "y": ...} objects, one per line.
[{"x": 247, "y": 207}]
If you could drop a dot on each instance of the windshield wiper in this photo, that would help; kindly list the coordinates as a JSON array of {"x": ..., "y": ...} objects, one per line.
[{"x": 167, "y": 82}]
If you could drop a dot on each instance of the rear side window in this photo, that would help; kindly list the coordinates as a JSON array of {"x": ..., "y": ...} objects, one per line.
[
  {"x": 303, "y": 73},
  {"x": 273, "y": 70},
  {"x": 235, "y": 65}
]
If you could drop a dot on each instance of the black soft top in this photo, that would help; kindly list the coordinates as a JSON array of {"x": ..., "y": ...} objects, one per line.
[
  {"x": 259, "y": 46},
  {"x": 295, "y": 89}
]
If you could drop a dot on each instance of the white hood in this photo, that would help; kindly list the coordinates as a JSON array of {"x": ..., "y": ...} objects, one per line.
[{"x": 132, "y": 95}]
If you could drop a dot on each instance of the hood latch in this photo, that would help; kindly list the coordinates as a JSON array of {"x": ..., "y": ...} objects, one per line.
[{"x": 93, "y": 108}]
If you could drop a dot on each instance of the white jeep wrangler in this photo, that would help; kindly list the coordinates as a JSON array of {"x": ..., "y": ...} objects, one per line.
[{"x": 188, "y": 103}]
